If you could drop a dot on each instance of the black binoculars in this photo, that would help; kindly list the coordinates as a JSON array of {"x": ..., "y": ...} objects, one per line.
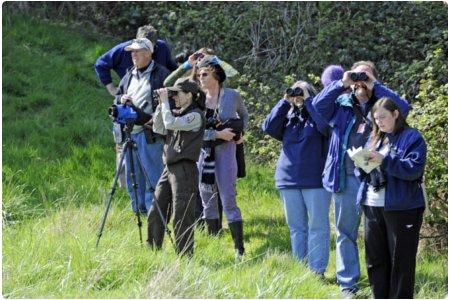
[
  {"x": 294, "y": 92},
  {"x": 170, "y": 95},
  {"x": 358, "y": 76}
]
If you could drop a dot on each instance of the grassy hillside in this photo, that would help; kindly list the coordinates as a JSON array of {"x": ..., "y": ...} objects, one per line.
[
  {"x": 57, "y": 169},
  {"x": 56, "y": 134}
]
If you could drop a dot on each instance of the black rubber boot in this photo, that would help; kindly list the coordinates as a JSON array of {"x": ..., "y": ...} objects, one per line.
[
  {"x": 213, "y": 226},
  {"x": 237, "y": 232}
]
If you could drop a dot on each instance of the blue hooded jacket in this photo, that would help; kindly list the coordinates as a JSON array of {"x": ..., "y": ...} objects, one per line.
[
  {"x": 305, "y": 145},
  {"x": 403, "y": 169},
  {"x": 120, "y": 61},
  {"x": 337, "y": 109}
]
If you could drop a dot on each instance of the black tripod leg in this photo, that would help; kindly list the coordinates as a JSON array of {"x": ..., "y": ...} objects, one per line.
[
  {"x": 135, "y": 187},
  {"x": 152, "y": 189},
  {"x": 110, "y": 196}
]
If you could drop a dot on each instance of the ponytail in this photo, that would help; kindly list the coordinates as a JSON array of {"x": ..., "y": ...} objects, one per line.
[{"x": 200, "y": 99}]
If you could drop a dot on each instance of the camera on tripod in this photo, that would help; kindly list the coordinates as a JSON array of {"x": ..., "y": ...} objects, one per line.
[
  {"x": 358, "y": 76},
  {"x": 122, "y": 113},
  {"x": 294, "y": 92}
]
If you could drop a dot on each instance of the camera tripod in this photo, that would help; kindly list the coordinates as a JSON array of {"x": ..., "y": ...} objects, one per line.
[{"x": 129, "y": 146}]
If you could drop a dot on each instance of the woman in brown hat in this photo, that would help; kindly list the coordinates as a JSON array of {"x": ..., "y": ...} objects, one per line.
[{"x": 217, "y": 162}]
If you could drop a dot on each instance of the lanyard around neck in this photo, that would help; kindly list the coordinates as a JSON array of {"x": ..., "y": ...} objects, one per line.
[{"x": 218, "y": 102}]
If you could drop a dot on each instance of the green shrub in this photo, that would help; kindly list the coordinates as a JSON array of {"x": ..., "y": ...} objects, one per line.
[{"x": 430, "y": 117}]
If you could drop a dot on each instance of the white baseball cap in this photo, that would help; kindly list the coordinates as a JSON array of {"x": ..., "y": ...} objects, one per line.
[{"x": 140, "y": 43}]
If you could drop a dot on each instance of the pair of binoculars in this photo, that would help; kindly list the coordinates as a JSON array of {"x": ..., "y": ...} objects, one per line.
[
  {"x": 358, "y": 76},
  {"x": 294, "y": 92}
]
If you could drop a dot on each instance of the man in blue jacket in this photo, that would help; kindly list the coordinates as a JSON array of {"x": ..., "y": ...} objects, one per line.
[
  {"x": 346, "y": 104},
  {"x": 119, "y": 60}
]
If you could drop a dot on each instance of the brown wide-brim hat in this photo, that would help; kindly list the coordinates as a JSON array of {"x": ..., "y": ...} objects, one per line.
[{"x": 214, "y": 62}]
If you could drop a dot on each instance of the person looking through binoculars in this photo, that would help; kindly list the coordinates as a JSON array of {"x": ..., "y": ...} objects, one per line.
[
  {"x": 345, "y": 105},
  {"x": 135, "y": 91},
  {"x": 298, "y": 174},
  {"x": 183, "y": 127}
]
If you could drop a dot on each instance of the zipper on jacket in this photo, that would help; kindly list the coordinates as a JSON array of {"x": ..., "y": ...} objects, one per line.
[{"x": 343, "y": 150}]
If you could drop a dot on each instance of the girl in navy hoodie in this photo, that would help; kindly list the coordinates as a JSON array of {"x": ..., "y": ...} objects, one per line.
[
  {"x": 298, "y": 175},
  {"x": 393, "y": 202}
]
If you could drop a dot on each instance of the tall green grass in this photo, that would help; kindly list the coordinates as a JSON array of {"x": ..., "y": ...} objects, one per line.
[
  {"x": 58, "y": 162},
  {"x": 55, "y": 256}
]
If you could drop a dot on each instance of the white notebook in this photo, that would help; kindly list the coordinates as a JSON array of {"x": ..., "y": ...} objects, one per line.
[{"x": 361, "y": 158}]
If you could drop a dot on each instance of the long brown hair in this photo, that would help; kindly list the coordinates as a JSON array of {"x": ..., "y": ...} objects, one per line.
[{"x": 400, "y": 122}]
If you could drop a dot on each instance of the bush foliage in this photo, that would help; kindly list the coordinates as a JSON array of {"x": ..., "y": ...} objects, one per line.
[{"x": 273, "y": 44}]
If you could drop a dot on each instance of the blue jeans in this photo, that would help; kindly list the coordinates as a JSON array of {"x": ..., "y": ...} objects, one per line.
[
  {"x": 306, "y": 212},
  {"x": 151, "y": 159},
  {"x": 347, "y": 218}
]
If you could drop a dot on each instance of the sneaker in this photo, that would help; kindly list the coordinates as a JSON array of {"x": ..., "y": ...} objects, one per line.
[{"x": 348, "y": 293}]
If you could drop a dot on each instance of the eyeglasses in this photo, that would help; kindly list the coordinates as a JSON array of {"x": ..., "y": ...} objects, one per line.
[{"x": 203, "y": 75}]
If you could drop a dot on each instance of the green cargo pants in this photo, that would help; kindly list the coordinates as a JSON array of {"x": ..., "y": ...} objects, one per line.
[{"x": 178, "y": 183}]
